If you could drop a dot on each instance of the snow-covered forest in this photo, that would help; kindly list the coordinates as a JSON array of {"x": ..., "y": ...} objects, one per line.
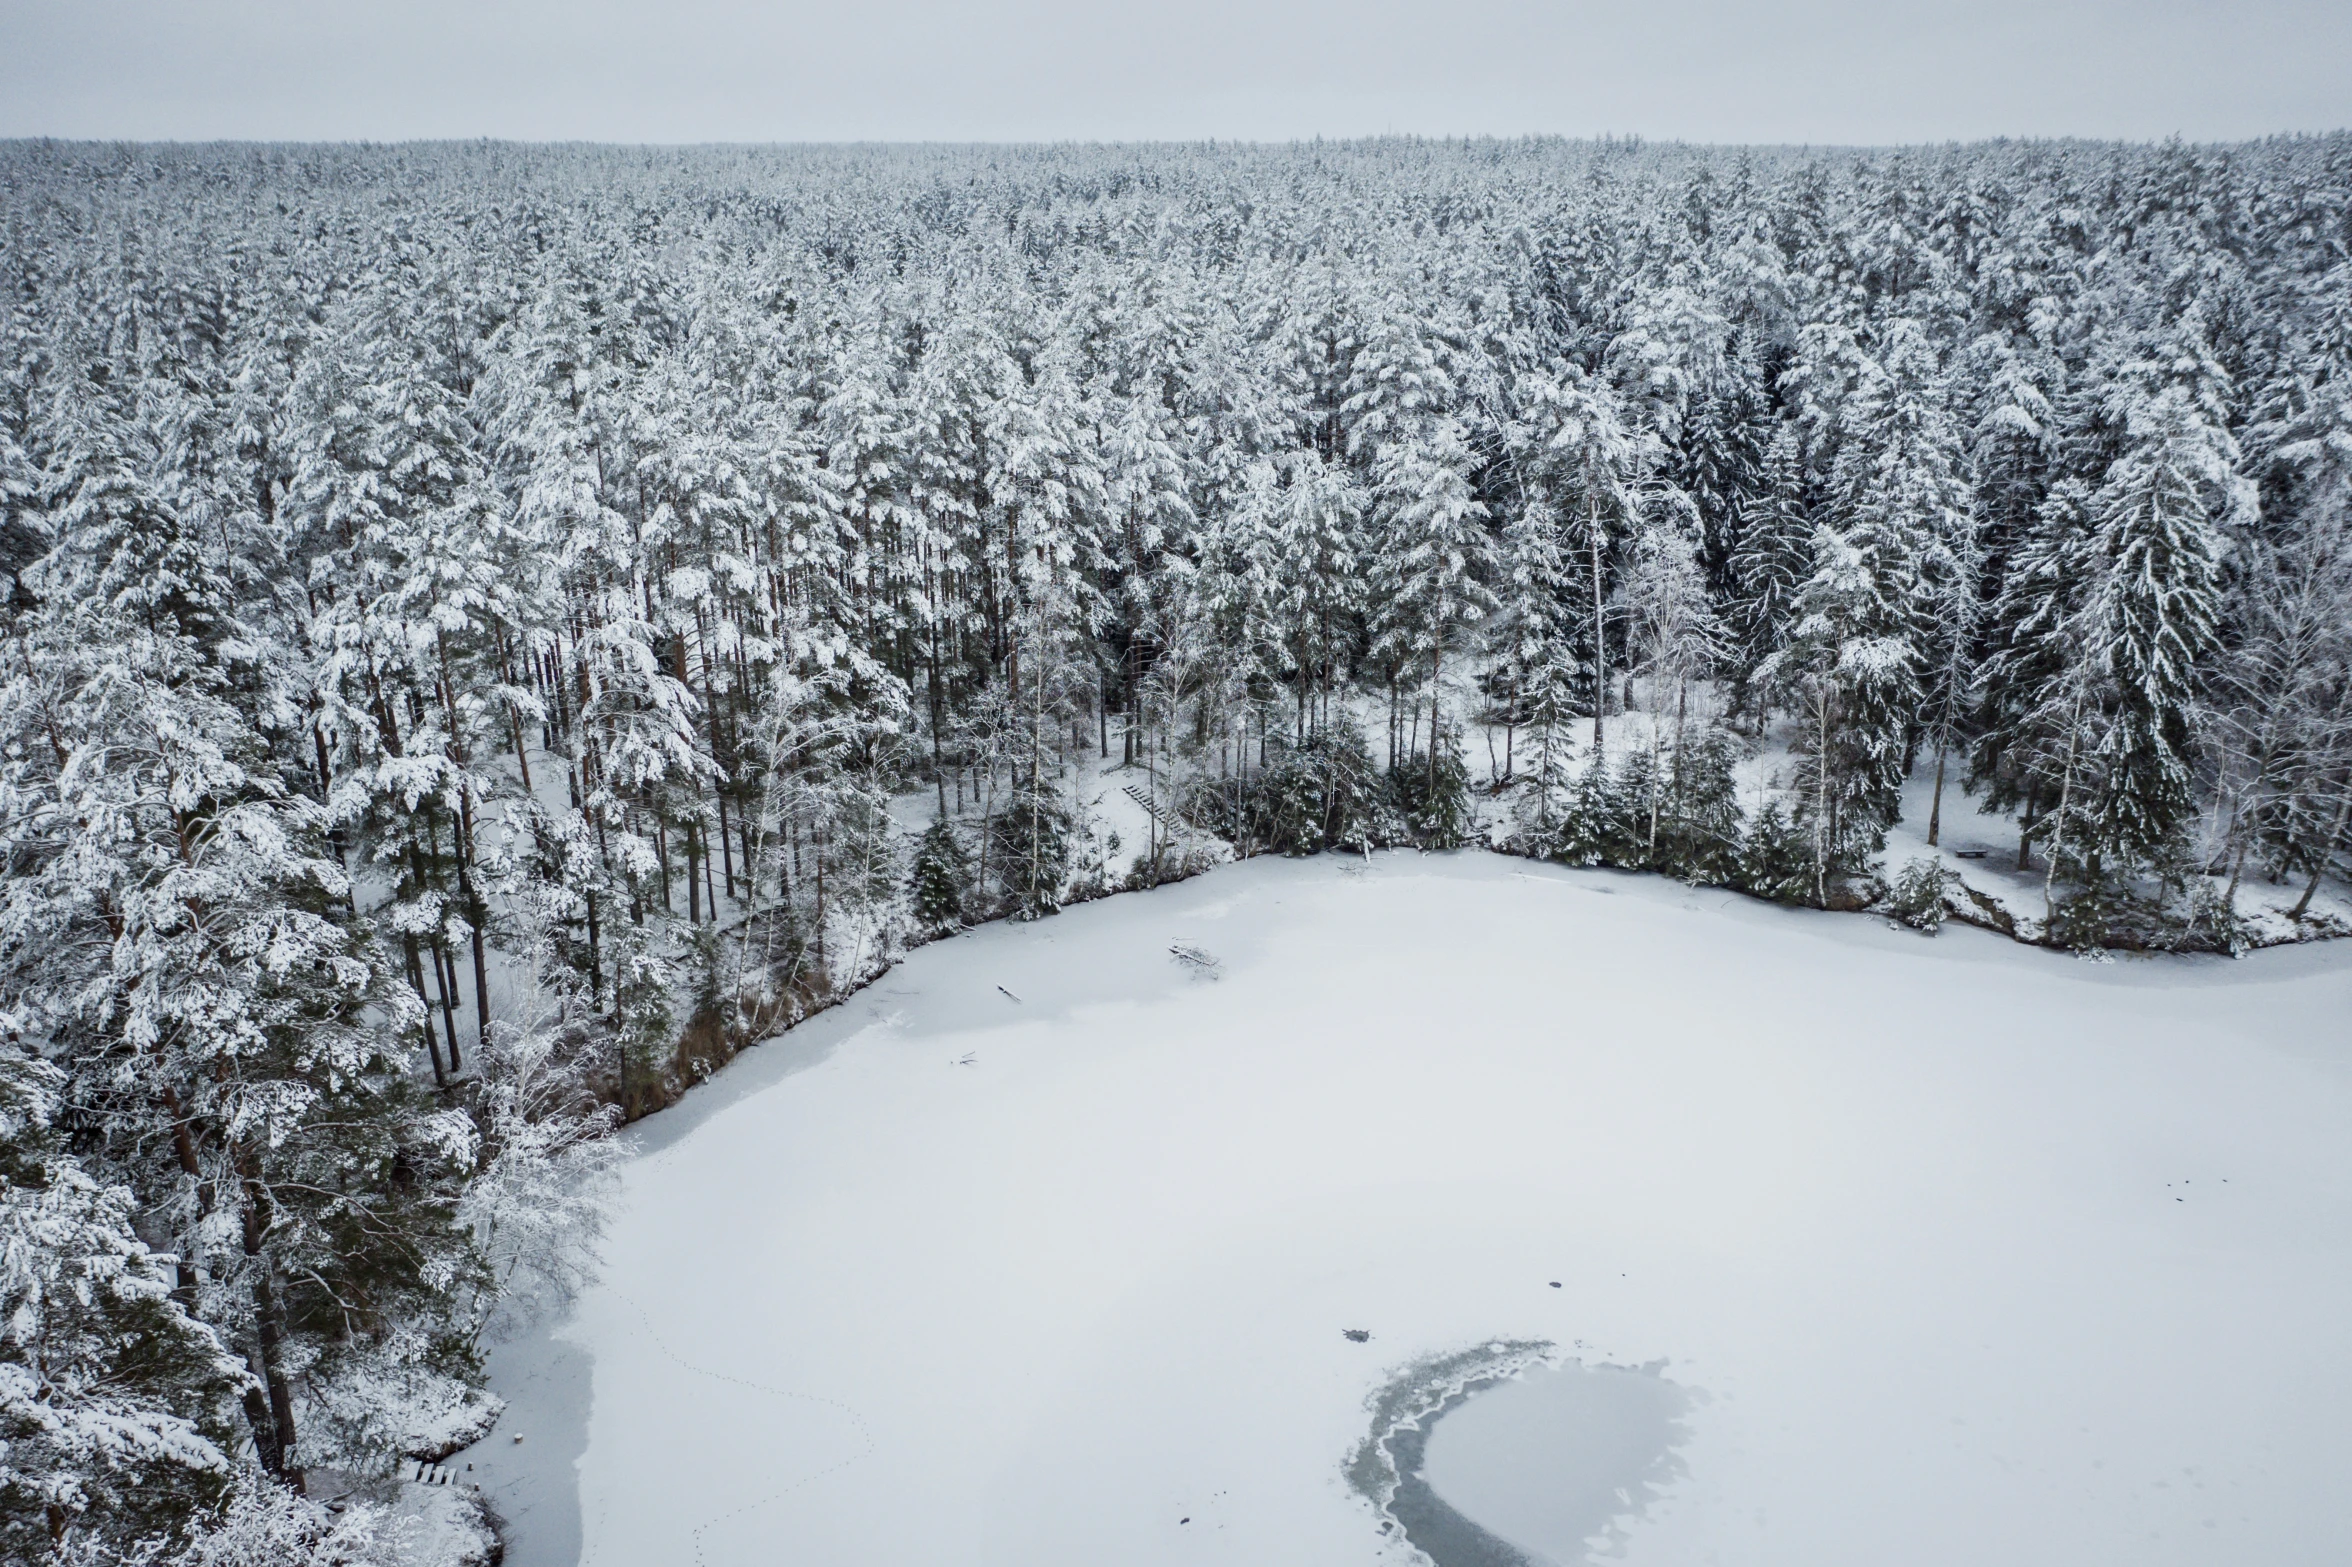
[{"x": 493, "y": 629}]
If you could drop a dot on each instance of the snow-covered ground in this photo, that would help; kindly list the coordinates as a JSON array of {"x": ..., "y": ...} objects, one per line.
[
  {"x": 1964, "y": 1252},
  {"x": 1113, "y": 801}
]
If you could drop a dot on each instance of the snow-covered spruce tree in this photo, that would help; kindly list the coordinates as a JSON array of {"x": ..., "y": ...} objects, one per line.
[
  {"x": 1433, "y": 795},
  {"x": 1533, "y": 640},
  {"x": 1669, "y": 356},
  {"x": 1776, "y": 857},
  {"x": 1849, "y": 675},
  {"x": 1402, "y": 423},
  {"x": 1673, "y": 640},
  {"x": 1918, "y": 893},
  {"x": 1770, "y": 562},
  {"x": 940, "y": 880},
  {"x": 1434, "y": 563},
  {"x": 1581, "y": 450},
  {"x": 1896, "y": 557},
  {"x": 1699, "y": 834},
  {"x": 1608, "y": 817},
  {"x": 1326, "y": 792},
  {"x": 2012, "y": 439},
  {"x": 2159, "y": 518},
  {"x": 2026, "y": 713},
  {"x": 1032, "y": 829},
  {"x": 1721, "y": 457},
  {"x": 2290, "y": 662},
  {"x": 1319, "y": 594},
  {"x": 1896, "y": 488}
]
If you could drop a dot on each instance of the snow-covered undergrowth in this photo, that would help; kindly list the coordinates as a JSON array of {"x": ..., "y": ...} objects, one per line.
[{"x": 1045, "y": 1249}]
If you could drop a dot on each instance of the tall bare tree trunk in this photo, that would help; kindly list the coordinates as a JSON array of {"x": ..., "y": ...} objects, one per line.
[
  {"x": 1821, "y": 799},
  {"x": 191, "y": 1254},
  {"x": 416, "y": 981},
  {"x": 1600, "y": 626},
  {"x": 478, "y": 915},
  {"x": 2065, "y": 802},
  {"x": 273, "y": 1439},
  {"x": 1935, "y": 809},
  {"x": 1436, "y": 695}
]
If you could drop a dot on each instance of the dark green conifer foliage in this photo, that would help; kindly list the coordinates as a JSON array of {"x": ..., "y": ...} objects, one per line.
[
  {"x": 1030, "y": 854},
  {"x": 940, "y": 880}
]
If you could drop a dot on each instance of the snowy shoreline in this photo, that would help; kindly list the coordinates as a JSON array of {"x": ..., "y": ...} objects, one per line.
[{"x": 1987, "y": 903}]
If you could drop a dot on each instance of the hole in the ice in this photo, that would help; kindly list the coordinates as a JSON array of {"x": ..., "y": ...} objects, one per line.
[{"x": 1496, "y": 1458}]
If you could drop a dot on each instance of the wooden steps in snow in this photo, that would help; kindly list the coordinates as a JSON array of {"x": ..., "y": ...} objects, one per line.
[{"x": 1151, "y": 809}]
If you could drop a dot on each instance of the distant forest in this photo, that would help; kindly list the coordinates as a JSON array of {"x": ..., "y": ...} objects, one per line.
[{"x": 471, "y": 609}]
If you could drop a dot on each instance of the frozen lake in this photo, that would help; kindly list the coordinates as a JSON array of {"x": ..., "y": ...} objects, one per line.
[{"x": 1842, "y": 1246}]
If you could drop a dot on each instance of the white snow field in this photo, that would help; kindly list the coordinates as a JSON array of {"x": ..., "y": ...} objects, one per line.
[{"x": 1958, "y": 1252}]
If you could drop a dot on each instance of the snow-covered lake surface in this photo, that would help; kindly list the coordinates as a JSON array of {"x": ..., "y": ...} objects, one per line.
[{"x": 1935, "y": 1252}]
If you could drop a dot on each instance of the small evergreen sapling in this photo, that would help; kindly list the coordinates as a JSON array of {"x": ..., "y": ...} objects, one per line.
[
  {"x": 1031, "y": 851},
  {"x": 1323, "y": 793},
  {"x": 1433, "y": 795},
  {"x": 940, "y": 880},
  {"x": 1919, "y": 892},
  {"x": 1776, "y": 858},
  {"x": 1698, "y": 836}
]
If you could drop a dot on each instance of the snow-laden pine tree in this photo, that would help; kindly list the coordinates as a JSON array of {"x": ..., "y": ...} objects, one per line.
[
  {"x": 1318, "y": 538},
  {"x": 2160, "y": 518},
  {"x": 1772, "y": 560},
  {"x": 1148, "y": 514},
  {"x": 2027, "y": 711},
  {"x": 1577, "y": 446},
  {"x": 1674, "y": 640},
  {"x": 1434, "y": 561},
  {"x": 1954, "y": 582},
  {"x": 1721, "y": 458},
  {"x": 111, "y": 1394},
  {"x": 2289, "y": 676},
  {"x": 178, "y": 936},
  {"x": 401, "y": 535},
  {"x": 1534, "y": 640},
  {"x": 1849, "y": 673}
]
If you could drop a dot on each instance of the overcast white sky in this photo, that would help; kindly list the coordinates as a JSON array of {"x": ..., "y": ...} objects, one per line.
[{"x": 1003, "y": 70}]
